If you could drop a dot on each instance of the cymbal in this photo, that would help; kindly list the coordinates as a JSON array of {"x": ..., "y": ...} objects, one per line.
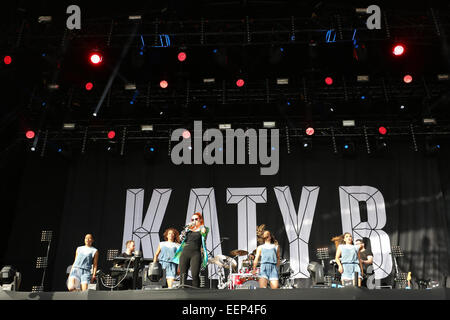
[
  {"x": 238, "y": 253},
  {"x": 223, "y": 261}
]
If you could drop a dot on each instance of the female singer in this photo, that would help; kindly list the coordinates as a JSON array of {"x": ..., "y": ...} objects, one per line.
[
  {"x": 86, "y": 258},
  {"x": 167, "y": 250},
  {"x": 270, "y": 261},
  {"x": 193, "y": 246},
  {"x": 347, "y": 259}
]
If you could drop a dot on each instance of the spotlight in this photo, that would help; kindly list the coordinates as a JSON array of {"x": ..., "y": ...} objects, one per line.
[
  {"x": 149, "y": 151},
  {"x": 89, "y": 86},
  {"x": 30, "y": 134},
  {"x": 431, "y": 145},
  {"x": 382, "y": 130},
  {"x": 429, "y": 121},
  {"x": 95, "y": 58},
  {"x": 186, "y": 134},
  {"x": 398, "y": 50},
  {"x": 182, "y": 56},
  {"x": 407, "y": 78},
  {"x": 163, "y": 84},
  {"x": 349, "y": 147},
  {"x": 310, "y": 131},
  {"x": 240, "y": 83},
  {"x": 380, "y": 144},
  {"x": 111, "y": 134},
  {"x": 307, "y": 143},
  {"x": 329, "y": 81},
  {"x": 7, "y": 60}
]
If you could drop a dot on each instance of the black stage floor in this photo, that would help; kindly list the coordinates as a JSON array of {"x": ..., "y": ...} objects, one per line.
[{"x": 348, "y": 293}]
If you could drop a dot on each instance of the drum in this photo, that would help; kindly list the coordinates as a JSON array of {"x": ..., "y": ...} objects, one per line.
[
  {"x": 250, "y": 284},
  {"x": 237, "y": 280}
]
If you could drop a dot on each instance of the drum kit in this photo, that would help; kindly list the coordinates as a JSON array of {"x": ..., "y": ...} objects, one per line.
[{"x": 237, "y": 278}]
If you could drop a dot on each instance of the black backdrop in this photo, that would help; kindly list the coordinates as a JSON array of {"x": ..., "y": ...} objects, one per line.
[{"x": 87, "y": 194}]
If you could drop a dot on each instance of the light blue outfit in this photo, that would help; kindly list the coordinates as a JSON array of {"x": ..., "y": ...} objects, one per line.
[
  {"x": 166, "y": 256},
  {"x": 269, "y": 262},
  {"x": 81, "y": 269},
  {"x": 350, "y": 261}
]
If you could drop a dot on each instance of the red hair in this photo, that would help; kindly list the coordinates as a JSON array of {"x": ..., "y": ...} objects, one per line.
[{"x": 200, "y": 217}]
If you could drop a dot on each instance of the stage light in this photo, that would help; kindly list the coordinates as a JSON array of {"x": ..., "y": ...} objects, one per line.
[
  {"x": 224, "y": 126},
  {"x": 186, "y": 134},
  {"x": 362, "y": 78},
  {"x": 310, "y": 131},
  {"x": 69, "y": 126},
  {"x": 442, "y": 77},
  {"x": 95, "y": 58},
  {"x": 402, "y": 107},
  {"x": 209, "y": 80},
  {"x": 147, "y": 127},
  {"x": 269, "y": 124},
  {"x": 163, "y": 84},
  {"x": 111, "y": 134},
  {"x": 398, "y": 50},
  {"x": 329, "y": 81},
  {"x": 429, "y": 121},
  {"x": 182, "y": 56},
  {"x": 307, "y": 143},
  {"x": 348, "y": 123},
  {"x": 349, "y": 147},
  {"x": 30, "y": 134},
  {"x": 10, "y": 279},
  {"x": 240, "y": 83},
  {"x": 7, "y": 60},
  {"x": 130, "y": 86},
  {"x": 282, "y": 81},
  {"x": 407, "y": 78},
  {"x": 382, "y": 130},
  {"x": 89, "y": 86}
]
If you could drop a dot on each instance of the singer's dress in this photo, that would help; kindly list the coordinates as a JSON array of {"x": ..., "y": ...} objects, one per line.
[{"x": 189, "y": 254}]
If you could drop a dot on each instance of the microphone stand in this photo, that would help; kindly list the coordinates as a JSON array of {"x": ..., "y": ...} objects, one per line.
[{"x": 211, "y": 253}]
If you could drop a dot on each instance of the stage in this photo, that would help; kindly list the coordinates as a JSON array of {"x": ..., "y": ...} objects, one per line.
[{"x": 242, "y": 294}]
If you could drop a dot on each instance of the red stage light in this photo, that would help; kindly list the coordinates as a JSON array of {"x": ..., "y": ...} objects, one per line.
[
  {"x": 95, "y": 58},
  {"x": 329, "y": 81},
  {"x": 310, "y": 131},
  {"x": 163, "y": 84},
  {"x": 382, "y": 130},
  {"x": 29, "y": 134},
  {"x": 186, "y": 134},
  {"x": 181, "y": 56},
  {"x": 111, "y": 134},
  {"x": 398, "y": 50},
  {"x": 7, "y": 60},
  {"x": 240, "y": 83},
  {"x": 407, "y": 79},
  {"x": 89, "y": 86}
]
